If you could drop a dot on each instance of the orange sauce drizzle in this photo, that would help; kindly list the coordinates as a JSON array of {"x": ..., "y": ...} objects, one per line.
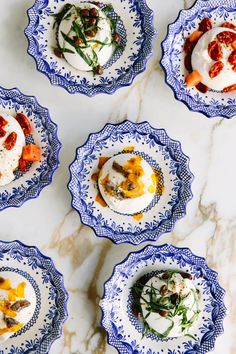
[
  {"x": 128, "y": 149},
  {"x": 102, "y": 161},
  {"x": 99, "y": 199},
  {"x": 137, "y": 217}
]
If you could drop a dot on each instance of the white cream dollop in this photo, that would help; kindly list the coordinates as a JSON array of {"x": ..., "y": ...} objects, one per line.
[
  {"x": 202, "y": 62},
  {"x": 9, "y": 159},
  {"x": 127, "y": 205},
  {"x": 180, "y": 286},
  {"x": 103, "y": 53}
]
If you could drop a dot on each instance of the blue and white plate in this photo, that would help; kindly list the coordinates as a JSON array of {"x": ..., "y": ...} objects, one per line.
[
  {"x": 137, "y": 34},
  {"x": 161, "y": 152},
  {"x": 51, "y": 298},
  {"x": 212, "y": 103},
  {"x": 44, "y": 134},
  {"x": 123, "y": 329}
]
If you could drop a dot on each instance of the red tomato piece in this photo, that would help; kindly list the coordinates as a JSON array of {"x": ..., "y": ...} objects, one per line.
[
  {"x": 205, "y": 25},
  {"x": 230, "y": 88},
  {"x": 229, "y": 25},
  {"x": 226, "y": 37},
  {"x": 189, "y": 46},
  {"x": 2, "y": 132},
  {"x": 216, "y": 69},
  {"x": 3, "y": 122},
  {"x": 202, "y": 88},
  {"x": 232, "y": 58},
  {"x": 188, "y": 62},
  {"x": 23, "y": 165},
  {"x": 215, "y": 51},
  {"x": 10, "y": 141},
  {"x": 24, "y": 123}
]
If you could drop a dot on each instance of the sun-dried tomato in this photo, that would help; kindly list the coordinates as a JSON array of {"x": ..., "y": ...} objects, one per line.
[
  {"x": 230, "y": 88},
  {"x": 189, "y": 46},
  {"x": 232, "y": 58},
  {"x": 226, "y": 37},
  {"x": 188, "y": 62},
  {"x": 2, "y": 132},
  {"x": 229, "y": 25},
  {"x": 205, "y": 25},
  {"x": 24, "y": 123},
  {"x": 3, "y": 122},
  {"x": 216, "y": 69},
  {"x": 10, "y": 141},
  {"x": 202, "y": 88},
  {"x": 215, "y": 51},
  {"x": 234, "y": 68},
  {"x": 23, "y": 165}
]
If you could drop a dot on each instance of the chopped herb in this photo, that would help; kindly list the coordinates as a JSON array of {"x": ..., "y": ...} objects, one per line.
[
  {"x": 79, "y": 31},
  {"x": 84, "y": 56},
  {"x": 59, "y": 17},
  {"x": 107, "y": 8}
]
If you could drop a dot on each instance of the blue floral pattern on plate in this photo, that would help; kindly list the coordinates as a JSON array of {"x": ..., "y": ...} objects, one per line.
[
  {"x": 44, "y": 134},
  {"x": 51, "y": 298},
  {"x": 160, "y": 151},
  {"x": 137, "y": 19},
  {"x": 124, "y": 335},
  {"x": 212, "y": 103}
]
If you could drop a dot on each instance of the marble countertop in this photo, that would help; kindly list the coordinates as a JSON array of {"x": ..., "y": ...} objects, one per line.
[{"x": 86, "y": 261}]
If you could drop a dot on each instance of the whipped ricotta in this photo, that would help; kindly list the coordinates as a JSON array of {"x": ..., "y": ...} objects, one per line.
[{"x": 202, "y": 62}]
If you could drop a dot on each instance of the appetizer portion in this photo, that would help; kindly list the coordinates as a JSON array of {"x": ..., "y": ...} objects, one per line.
[
  {"x": 17, "y": 304},
  {"x": 211, "y": 57},
  {"x": 14, "y": 152},
  {"x": 167, "y": 303},
  {"x": 87, "y": 37},
  {"x": 127, "y": 183}
]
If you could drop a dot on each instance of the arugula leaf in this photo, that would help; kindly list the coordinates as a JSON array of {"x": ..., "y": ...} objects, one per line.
[
  {"x": 107, "y": 8},
  {"x": 59, "y": 16},
  {"x": 79, "y": 31},
  {"x": 84, "y": 56}
]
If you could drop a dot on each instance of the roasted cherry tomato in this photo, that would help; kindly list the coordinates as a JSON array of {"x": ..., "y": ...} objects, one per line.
[
  {"x": 2, "y": 132},
  {"x": 229, "y": 25},
  {"x": 226, "y": 37},
  {"x": 216, "y": 69},
  {"x": 24, "y": 123},
  {"x": 10, "y": 141},
  {"x": 3, "y": 122},
  {"x": 232, "y": 58},
  {"x": 202, "y": 88},
  {"x": 189, "y": 46},
  {"x": 230, "y": 88},
  {"x": 215, "y": 51},
  {"x": 188, "y": 62},
  {"x": 23, "y": 165},
  {"x": 205, "y": 25}
]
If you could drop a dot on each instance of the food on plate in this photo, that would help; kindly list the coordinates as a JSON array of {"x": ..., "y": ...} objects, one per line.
[
  {"x": 87, "y": 36},
  {"x": 17, "y": 304},
  {"x": 127, "y": 183},
  {"x": 211, "y": 57},
  {"x": 167, "y": 303},
  {"x": 15, "y": 153}
]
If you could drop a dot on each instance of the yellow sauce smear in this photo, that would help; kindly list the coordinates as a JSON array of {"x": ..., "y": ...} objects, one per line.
[
  {"x": 13, "y": 329},
  {"x": 128, "y": 149},
  {"x": 5, "y": 308},
  {"x": 17, "y": 292},
  {"x": 134, "y": 172},
  {"x": 99, "y": 199},
  {"x": 138, "y": 217}
]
